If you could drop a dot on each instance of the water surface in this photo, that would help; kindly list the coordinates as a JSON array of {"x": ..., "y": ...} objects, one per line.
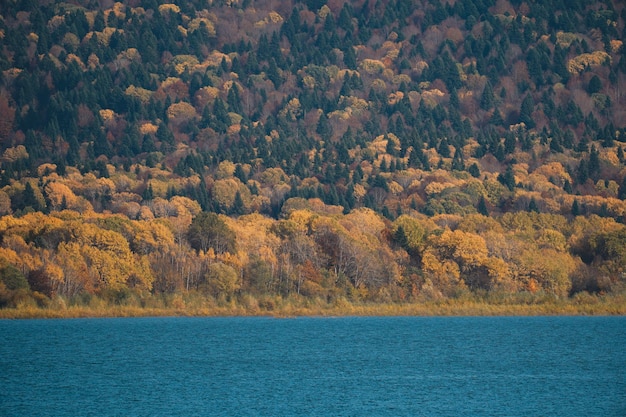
[{"x": 502, "y": 366}]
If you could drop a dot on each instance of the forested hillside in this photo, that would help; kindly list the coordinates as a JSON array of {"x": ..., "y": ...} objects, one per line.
[{"x": 368, "y": 150}]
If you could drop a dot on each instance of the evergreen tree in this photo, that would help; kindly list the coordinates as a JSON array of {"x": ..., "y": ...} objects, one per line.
[
  {"x": 594, "y": 162},
  {"x": 474, "y": 170},
  {"x": 487, "y": 99},
  {"x": 444, "y": 148},
  {"x": 482, "y": 206},
  {"x": 567, "y": 187},
  {"x": 526, "y": 111},
  {"x": 29, "y": 199},
  {"x": 583, "y": 172},
  {"x": 457, "y": 162},
  {"x": 508, "y": 178},
  {"x": 575, "y": 208},
  {"x": 238, "y": 207},
  {"x": 148, "y": 193},
  {"x": 240, "y": 173},
  {"x": 595, "y": 85},
  {"x": 166, "y": 137},
  {"x": 207, "y": 231},
  {"x": 324, "y": 129}
]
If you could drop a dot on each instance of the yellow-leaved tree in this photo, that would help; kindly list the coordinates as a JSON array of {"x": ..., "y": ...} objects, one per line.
[
  {"x": 109, "y": 259},
  {"x": 469, "y": 252}
]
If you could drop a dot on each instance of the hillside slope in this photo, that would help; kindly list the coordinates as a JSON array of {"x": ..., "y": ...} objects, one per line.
[{"x": 387, "y": 150}]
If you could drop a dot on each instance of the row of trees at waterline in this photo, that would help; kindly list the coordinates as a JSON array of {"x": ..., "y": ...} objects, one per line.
[{"x": 312, "y": 252}]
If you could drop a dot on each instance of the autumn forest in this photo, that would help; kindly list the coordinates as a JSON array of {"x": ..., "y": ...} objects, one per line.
[{"x": 255, "y": 153}]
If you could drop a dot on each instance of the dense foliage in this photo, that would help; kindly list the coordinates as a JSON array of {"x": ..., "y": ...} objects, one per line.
[{"x": 390, "y": 150}]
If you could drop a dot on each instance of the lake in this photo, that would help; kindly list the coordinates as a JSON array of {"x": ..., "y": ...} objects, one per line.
[{"x": 367, "y": 366}]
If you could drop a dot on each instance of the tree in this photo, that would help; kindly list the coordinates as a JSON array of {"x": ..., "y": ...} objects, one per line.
[
  {"x": 241, "y": 174},
  {"x": 209, "y": 231},
  {"x": 595, "y": 85},
  {"x": 238, "y": 207},
  {"x": 410, "y": 234},
  {"x": 487, "y": 99},
  {"x": 222, "y": 280},
  {"x": 12, "y": 278},
  {"x": 526, "y": 111},
  {"x": 474, "y": 170},
  {"x": 30, "y": 198},
  {"x": 482, "y": 206},
  {"x": 508, "y": 178},
  {"x": 7, "y": 117},
  {"x": 166, "y": 137},
  {"x": 467, "y": 255}
]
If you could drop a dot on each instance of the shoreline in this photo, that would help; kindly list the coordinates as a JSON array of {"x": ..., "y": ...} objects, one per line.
[{"x": 449, "y": 308}]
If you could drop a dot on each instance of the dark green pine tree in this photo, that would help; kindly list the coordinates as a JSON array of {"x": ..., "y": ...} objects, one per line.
[
  {"x": 575, "y": 208},
  {"x": 400, "y": 238},
  {"x": 29, "y": 199},
  {"x": 273, "y": 74},
  {"x": 482, "y": 206},
  {"x": 507, "y": 178},
  {"x": 594, "y": 162},
  {"x": 457, "y": 162},
  {"x": 349, "y": 58},
  {"x": 148, "y": 193},
  {"x": 238, "y": 208},
  {"x": 622, "y": 190},
  {"x": 526, "y": 111},
  {"x": 474, "y": 170},
  {"x": 595, "y": 85},
  {"x": 101, "y": 145},
  {"x": 324, "y": 129},
  {"x": 444, "y": 148},
  {"x": 583, "y": 172},
  {"x": 166, "y": 137},
  {"x": 241, "y": 174},
  {"x": 487, "y": 100},
  {"x": 567, "y": 187}
]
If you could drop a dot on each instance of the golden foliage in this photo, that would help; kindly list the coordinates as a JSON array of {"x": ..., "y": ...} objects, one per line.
[
  {"x": 226, "y": 169},
  {"x": 148, "y": 128},
  {"x": 181, "y": 111},
  {"x": 196, "y": 23},
  {"x": 60, "y": 196},
  {"x": 138, "y": 92},
  {"x": 371, "y": 66},
  {"x": 184, "y": 63},
  {"x": 272, "y": 18},
  {"x": 378, "y": 85},
  {"x": 354, "y": 106},
  {"x": 292, "y": 109},
  {"x": 432, "y": 97},
  {"x": 15, "y": 153},
  {"x": 565, "y": 39},
  {"x": 581, "y": 62},
  {"x": 224, "y": 191},
  {"x": 5, "y": 204},
  {"x": 107, "y": 114},
  {"x": 169, "y": 7},
  {"x": 616, "y": 45},
  {"x": 273, "y": 176},
  {"x": 379, "y": 144},
  {"x": 323, "y": 11}
]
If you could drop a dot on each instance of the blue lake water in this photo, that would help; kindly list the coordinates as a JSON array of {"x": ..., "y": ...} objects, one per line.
[{"x": 399, "y": 366}]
